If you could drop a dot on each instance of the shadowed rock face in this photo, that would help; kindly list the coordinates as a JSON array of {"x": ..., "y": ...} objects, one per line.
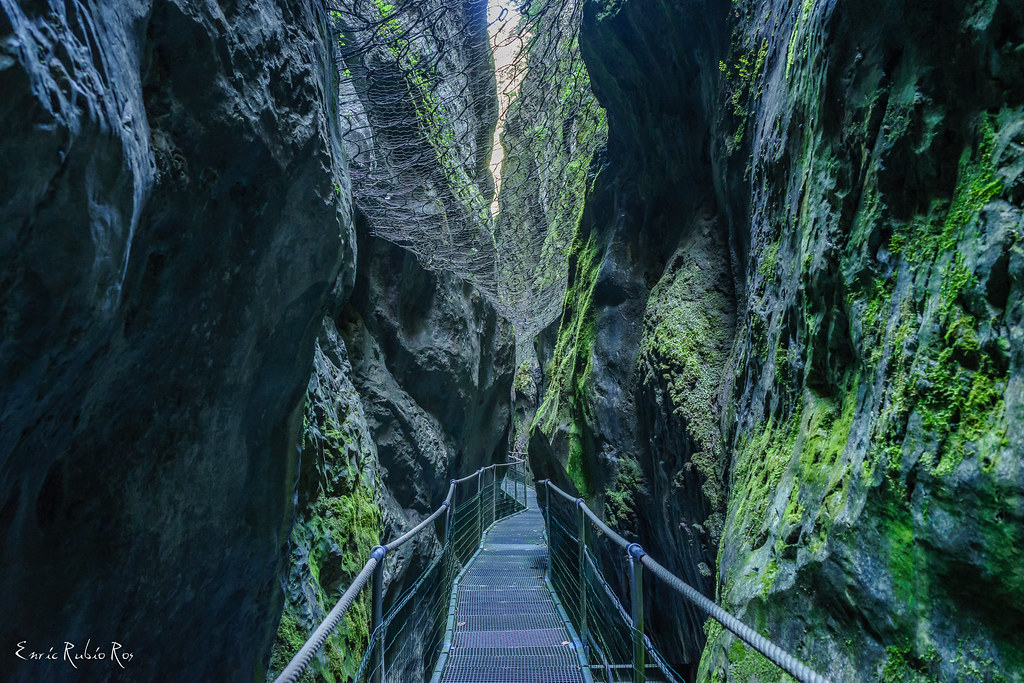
[
  {"x": 433, "y": 363},
  {"x": 652, "y": 293},
  {"x": 413, "y": 367},
  {"x": 171, "y": 220}
]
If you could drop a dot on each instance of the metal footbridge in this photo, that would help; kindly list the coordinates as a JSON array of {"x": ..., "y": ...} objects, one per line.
[
  {"x": 507, "y": 625},
  {"x": 525, "y": 589}
]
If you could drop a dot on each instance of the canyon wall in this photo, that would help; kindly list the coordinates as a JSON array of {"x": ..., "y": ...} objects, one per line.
[
  {"x": 413, "y": 368},
  {"x": 173, "y": 216},
  {"x": 789, "y": 360}
]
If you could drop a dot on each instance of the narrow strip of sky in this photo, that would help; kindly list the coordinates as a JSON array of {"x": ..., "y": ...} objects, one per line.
[{"x": 508, "y": 49}]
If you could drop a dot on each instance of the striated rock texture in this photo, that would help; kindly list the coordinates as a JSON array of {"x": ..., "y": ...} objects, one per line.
[
  {"x": 875, "y": 519},
  {"x": 791, "y": 345},
  {"x": 172, "y": 217}
]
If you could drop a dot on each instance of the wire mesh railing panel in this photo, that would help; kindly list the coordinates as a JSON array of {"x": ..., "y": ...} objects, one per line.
[
  {"x": 591, "y": 574},
  {"x": 411, "y": 632},
  {"x": 610, "y": 586}
]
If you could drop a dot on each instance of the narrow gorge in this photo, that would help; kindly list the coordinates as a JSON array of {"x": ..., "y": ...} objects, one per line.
[{"x": 743, "y": 277}]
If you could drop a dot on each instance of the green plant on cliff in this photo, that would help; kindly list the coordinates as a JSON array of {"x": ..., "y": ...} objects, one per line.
[
  {"x": 571, "y": 364},
  {"x": 743, "y": 79},
  {"x": 803, "y": 14},
  {"x": 620, "y": 500},
  {"x": 523, "y": 381},
  {"x": 333, "y": 534}
]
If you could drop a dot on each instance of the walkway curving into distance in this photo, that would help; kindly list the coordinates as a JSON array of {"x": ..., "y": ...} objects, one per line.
[
  {"x": 507, "y": 626},
  {"x": 500, "y": 620}
]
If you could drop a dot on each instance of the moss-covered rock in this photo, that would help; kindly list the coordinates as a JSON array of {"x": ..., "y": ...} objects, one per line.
[
  {"x": 875, "y": 476},
  {"x": 839, "y": 371},
  {"x": 338, "y": 519}
]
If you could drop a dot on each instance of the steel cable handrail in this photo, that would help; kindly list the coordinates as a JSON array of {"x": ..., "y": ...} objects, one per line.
[
  {"x": 300, "y": 661},
  {"x": 781, "y": 658}
]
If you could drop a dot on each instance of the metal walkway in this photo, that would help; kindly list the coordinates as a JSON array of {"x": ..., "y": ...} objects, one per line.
[
  {"x": 507, "y": 626},
  {"x": 486, "y": 608}
]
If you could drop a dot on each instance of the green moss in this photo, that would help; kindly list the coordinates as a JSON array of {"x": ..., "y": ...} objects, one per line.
[
  {"x": 760, "y": 463},
  {"x": 903, "y": 551},
  {"x": 575, "y": 466},
  {"x": 826, "y": 432},
  {"x": 290, "y": 637},
  {"x": 924, "y": 238},
  {"x": 687, "y": 331},
  {"x": 954, "y": 385},
  {"x": 523, "y": 382},
  {"x": 904, "y": 664},
  {"x": 771, "y": 570},
  {"x": 750, "y": 665},
  {"x": 743, "y": 79},
  {"x": 794, "y": 37},
  {"x": 571, "y": 363},
  {"x": 620, "y": 499},
  {"x": 337, "y": 524},
  {"x": 569, "y": 371},
  {"x": 961, "y": 401},
  {"x": 977, "y": 185},
  {"x": 769, "y": 260}
]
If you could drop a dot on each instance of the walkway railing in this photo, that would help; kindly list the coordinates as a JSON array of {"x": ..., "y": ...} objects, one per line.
[
  {"x": 580, "y": 544},
  {"x": 405, "y": 642}
]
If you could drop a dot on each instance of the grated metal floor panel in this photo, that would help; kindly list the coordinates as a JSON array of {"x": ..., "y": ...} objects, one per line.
[{"x": 507, "y": 628}]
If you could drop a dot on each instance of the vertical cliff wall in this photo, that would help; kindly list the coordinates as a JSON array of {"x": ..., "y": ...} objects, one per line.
[
  {"x": 631, "y": 392},
  {"x": 788, "y": 358},
  {"x": 875, "y": 488},
  {"x": 173, "y": 215},
  {"x": 411, "y": 388}
]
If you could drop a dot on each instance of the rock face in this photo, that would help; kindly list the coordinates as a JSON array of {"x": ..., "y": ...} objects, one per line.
[
  {"x": 635, "y": 373},
  {"x": 789, "y": 360},
  {"x": 434, "y": 365},
  {"x": 173, "y": 215},
  {"x": 876, "y": 481},
  {"x": 338, "y": 517}
]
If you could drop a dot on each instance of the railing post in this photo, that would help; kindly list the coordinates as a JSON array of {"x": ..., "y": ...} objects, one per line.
[
  {"x": 480, "y": 505},
  {"x": 547, "y": 523},
  {"x": 515, "y": 483},
  {"x": 448, "y": 516},
  {"x": 584, "y": 631},
  {"x": 377, "y": 611},
  {"x": 636, "y": 581},
  {"x": 494, "y": 495},
  {"x": 525, "y": 506}
]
